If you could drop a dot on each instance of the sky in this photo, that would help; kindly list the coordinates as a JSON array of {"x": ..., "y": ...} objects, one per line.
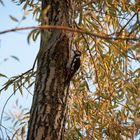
[{"x": 15, "y": 44}]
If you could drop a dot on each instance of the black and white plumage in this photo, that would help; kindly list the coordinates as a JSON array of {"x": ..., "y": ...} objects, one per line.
[{"x": 74, "y": 65}]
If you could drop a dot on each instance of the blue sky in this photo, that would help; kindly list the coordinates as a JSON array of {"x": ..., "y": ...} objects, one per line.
[{"x": 15, "y": 44}]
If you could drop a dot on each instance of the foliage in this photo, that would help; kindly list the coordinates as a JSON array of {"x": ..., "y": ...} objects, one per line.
[
  {"x": 105, "y": 94},
  {"x": 109, "y": 107},
  {"x": 24, "y": 80},
  {"x": 1, "y": 2},
  {"x": 19, "y": 116}
]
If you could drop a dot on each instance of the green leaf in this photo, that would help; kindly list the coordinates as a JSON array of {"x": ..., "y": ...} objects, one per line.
[
  {"x": 1, "y": 2},
  {"x": 33, "y": 35},
  {"x": 19, "y": 88},
  {"x": 24, "y": 17},
  {"x": 78, "y": 132},
  {"x": 2, "y": 75},
  {"x": 14, "y": 57},
  {"x": 21, "y": 1},
  {"x": 7, "y": 84},
  {"x": 14, "y": 87},
  {"x": 13, "y": 18}
]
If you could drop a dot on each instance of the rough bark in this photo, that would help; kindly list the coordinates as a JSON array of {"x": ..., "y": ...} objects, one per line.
[{"x": 48, "y": 111}]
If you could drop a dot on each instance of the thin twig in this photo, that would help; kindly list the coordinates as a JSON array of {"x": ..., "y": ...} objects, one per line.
[
  {"x": 4, "y": 109},
  {"x": 6, "y": 129},
  {"x": 126, "y": 24},
  {"x": 106, "y": 37},
  {"x": 15, "y": 133},
  {"x": 28, "y": 90}
]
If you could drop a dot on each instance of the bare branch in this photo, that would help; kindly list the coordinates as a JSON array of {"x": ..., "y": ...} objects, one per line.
[{"x": 106, "y": 37}]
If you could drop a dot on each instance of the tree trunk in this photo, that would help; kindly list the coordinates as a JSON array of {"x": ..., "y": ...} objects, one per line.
[{"x": 48, "y": 111}]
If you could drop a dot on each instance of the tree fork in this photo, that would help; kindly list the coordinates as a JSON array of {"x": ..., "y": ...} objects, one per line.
[{"x": 48, "y": 111}]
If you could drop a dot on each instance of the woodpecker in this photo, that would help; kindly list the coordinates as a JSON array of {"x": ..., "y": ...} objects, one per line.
[{"x": 73, "y": 66}]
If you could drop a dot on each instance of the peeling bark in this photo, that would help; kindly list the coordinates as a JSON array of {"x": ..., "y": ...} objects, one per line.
[{"x": 48, "y": 111}]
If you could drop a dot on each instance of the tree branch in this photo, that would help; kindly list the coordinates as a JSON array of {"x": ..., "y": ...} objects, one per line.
[{"x": 106, "y": 37}]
